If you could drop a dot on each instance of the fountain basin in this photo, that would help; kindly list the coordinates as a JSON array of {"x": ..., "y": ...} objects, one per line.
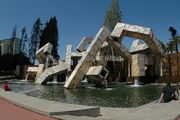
[{"x": 118, "y": 95}]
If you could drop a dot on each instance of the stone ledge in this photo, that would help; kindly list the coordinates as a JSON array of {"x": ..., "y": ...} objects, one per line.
[{"x": 46, "y": 107}]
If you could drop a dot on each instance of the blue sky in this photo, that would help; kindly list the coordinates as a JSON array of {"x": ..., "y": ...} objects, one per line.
[{"x": 79, "y": 18}]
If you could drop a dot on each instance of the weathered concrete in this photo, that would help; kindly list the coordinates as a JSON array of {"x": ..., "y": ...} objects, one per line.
[
  {"x": 41, "y": 54},
  {"x": 86, "y": 61},
  {"x": 49, "y": 67},
  {"x": 78, "y": 63},
  {"x": 44, "y": 56},
  {"x": 48, "y": 107},
  {"x": 68, "y": 56},
  {"x": 89, "y": 57},
  {"x": 51, "y": 71},
  {"x": 32, "y": 69},
  {"x": 97, "y": 74},
  {"x": 138, "y": 32},
  {"x": 138, "y": 61},
  {"x": 137, "y": 46},
  {"x": 151, "y": 111},
  {"x": 84, "y": 43},
  {"x": 122, "y": 51},
  {"x": 138, "y": 67},
  {"x": 40, "y": 70}
]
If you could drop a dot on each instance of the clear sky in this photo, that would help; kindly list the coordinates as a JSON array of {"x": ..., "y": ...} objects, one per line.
[{"x": 79, "y": 18}]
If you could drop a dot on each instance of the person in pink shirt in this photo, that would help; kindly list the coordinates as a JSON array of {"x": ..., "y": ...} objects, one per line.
[{"x": 5, "y": 86}]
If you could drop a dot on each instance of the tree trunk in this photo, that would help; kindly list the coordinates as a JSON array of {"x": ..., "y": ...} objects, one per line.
[{"x": 169, "y": 61}]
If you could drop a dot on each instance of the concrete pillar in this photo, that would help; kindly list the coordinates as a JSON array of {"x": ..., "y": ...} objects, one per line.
[
  {"x": 84, "y": 43},
  {"x": 68, "y": 56},
  {"x": 18, "y": 70},
  {"x": 138, "y": 67}
]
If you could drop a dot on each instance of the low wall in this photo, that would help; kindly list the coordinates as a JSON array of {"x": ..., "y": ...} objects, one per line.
[
  {"x": 169, "y": 79},
  {"x": 171, "y": 65}
]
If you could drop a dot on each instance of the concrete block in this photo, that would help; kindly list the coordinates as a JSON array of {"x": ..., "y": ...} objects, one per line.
[
  {"x": 68, "y": 56},
  {"x": 83, "y": 44},
  {"x": 138, "y": 46},
  {"x": 122, "y": 51},
  {"x": 138, "y": 67},
  {"x": 73, "y": 81},
  {"x": 43, "y": 51},
  {"x": 32, "y": 69},
  {"x": 50, "y": 72},
  {"x": 138, "y": 32},
  {"x": 97, "y": 75}
]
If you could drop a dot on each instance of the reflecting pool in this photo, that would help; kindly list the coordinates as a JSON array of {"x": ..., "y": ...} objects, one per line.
[{"x": 117, "y": 95}]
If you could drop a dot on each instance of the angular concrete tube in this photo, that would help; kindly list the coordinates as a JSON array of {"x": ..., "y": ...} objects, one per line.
[
  {"x": 83, "y": 44},
  {"x": 86, "y": 61},
  {"x": 138, "y": 32},
  {"x": 41, "y": 54}
]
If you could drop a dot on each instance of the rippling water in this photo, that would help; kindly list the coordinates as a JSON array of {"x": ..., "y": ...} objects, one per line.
[{"x": 115, "y": 96}]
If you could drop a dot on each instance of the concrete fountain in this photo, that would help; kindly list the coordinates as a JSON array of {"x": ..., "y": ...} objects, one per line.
[{"x": 90, "y": 61}]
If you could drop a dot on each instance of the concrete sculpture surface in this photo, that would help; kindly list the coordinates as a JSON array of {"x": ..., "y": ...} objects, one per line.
[
  {"x": 138, "y": 32},
  {"x": 89, "y": 60},
  {"x": 86, "y": 61},
  {"x": 48, "y": 67}
]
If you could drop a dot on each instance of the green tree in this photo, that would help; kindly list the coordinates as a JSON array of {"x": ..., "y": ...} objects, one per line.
[
  {"x": 35, "y": 39},
  {"x": 163, "y": 45},
  {"x": 173, "y": 46},
  {"x": 23, "y": 40},
  {"x": 11, "y": 46},
  {"x": 113, "y": 15},
  {"x": 169, "y": 47},
  {"x": 24, "y": 47},
  {"x": 175, "y": 39},
  {"x": 13, "y": 35},
  {"x": 50, "y": 34}
]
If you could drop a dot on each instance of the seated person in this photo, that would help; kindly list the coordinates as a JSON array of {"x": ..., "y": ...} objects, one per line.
[
  {"x": 167, "y": 94},
  {"x": 176, "y": 93},
  {"x": 5, "y": 86}
]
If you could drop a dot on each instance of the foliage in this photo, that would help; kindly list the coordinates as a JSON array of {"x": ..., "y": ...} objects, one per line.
[
  {"x": 8, "y": 62},
  {"x": 163, "y": 45},
  {"x": 172, "y": 46},
  {"x": 113, "y": 15},
  {"x": 13, "y": 35},
  {"x": 23, "y": 44},
  {"x": 174, "y": 43},
  {"x": 50, "y": 34},
  {"x": 169, "y": 47},
  {"x": 35, "y": 39}
]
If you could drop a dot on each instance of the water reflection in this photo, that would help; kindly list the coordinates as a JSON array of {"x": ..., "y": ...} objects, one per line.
[{"x": 116, "y": 96}]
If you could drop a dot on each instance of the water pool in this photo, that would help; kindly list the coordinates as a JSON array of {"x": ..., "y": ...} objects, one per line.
[{"x": 116, "y": 96}]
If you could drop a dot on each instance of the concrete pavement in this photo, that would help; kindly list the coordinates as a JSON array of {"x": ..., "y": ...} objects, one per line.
[
  {"x": 10, "y": 111},
  {"x": 48, "y": 107},
  {"x": 151, "y": 111}
]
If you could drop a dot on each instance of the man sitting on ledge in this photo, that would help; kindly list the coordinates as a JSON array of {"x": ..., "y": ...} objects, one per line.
[{"x": 168, "y": 94}]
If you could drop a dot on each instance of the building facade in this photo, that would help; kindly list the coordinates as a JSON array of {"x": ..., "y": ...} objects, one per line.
[{"x": 10, "y": 46}]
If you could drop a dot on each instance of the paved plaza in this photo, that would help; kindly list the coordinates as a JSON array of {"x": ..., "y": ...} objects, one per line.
[{"x": 9, "y": 111}]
